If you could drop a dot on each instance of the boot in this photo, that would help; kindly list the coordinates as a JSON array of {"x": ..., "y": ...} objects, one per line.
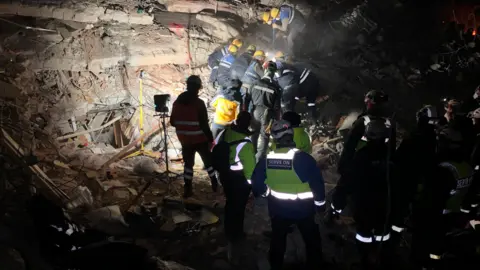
[{"x": 187, "y": 189}]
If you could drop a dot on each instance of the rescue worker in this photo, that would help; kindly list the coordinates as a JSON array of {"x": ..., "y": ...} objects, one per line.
[
  {"x": 472, "y": 199},
  {"x": 265, "y": 97},
  {"x": 287, "y": 79},
  {"x": 227, "y": 105},
  {"x": 240, "y": 66},
  {"x": 224, "y": 67},
  {"x": 300, "y": 136},
  {"x": 190, "y": 119},
  {"x": 308, "y": 88},
  {"x": 416, "y": 153},
  {"x": 217, "y": 55},
  {"x": 253, "y": 74},
  {"x": 295, "y": 190},
  {"x": 442, "y": 198},
  {"x": 237, "y": 180},
  {"x": 289, "y": 21},
  {"x": 370, "y": 177},
  {"x": 458, "y": 120}
]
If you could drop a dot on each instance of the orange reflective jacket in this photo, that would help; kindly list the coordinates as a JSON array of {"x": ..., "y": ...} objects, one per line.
[{"x": 185, "y": 118}]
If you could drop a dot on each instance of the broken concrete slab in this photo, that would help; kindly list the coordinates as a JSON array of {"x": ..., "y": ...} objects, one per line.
[
  {"x": 196, "y": 6},
  {"x": 108, "y": 219},
  {"x": 219, "y": 29},
  {"x": 180, "y": 217}
]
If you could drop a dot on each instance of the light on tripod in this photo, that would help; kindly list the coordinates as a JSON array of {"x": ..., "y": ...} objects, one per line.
[{"x": 162, "y": 103}]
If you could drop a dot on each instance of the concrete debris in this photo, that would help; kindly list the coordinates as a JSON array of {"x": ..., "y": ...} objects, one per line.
[
  {"x": 196, "y": 6},
  {"x": 108, "y": 219},
  {"x": 179, "y": 217},
  {"x": 168, "y": 265},
  {"x": 81, "y": 196},
  {"x": 219, "y": 29},
  {"x": 86, "y": 14}
]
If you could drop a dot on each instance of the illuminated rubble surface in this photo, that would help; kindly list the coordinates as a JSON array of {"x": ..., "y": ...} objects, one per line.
[{"x": 71, "y": 67}]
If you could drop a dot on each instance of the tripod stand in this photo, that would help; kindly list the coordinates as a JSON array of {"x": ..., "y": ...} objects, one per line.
[{"x": 167, "y": 173}]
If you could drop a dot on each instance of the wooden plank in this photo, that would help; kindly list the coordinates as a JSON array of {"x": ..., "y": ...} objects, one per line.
[
  {"x": 90, "y": 130},
  {"x": 118, "y": 135}
]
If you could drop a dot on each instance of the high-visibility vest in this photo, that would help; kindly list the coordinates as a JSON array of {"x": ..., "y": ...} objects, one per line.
[
  {"x": 463, "y": 174},
  {"x": 282, "y": 180},
  {"x": 187, "y": 125}
]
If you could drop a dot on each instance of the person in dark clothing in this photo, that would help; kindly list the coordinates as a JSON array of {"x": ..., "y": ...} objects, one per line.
[
  {"x": 295, "y": 189},
  {"x": 216, "y": 56},
  {"x": 253, "y": 74},
  {"x": 416, "y": 153},
  {"x": 441, "y": 199},
  {"x": 242, "y": 62},
  {"x": 265, "y": 97},
  {"x": 370, "y": 182},
  {"x": 472, "y": 199},
  {"x": 225, "y": 66},
  {"x": 288, "y": 81},
  {"x": 190, "y": 119}
]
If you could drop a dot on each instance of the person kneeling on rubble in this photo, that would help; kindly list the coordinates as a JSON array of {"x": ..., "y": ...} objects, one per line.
[
  {"x": 300, "y": 136},
  {"x": 265, "y": 96},
  {"x": 227, "y": 105},
  {"x": 287, "y": 20},
  {"x": 234, "y": 159},
  {"x": 190, "y": 119},
  {"x": 215, "y": 57},
  {"x": 368, "y": 182},
  {"x": 295, "y": 190},
  {"x": 441, "y": 202}
]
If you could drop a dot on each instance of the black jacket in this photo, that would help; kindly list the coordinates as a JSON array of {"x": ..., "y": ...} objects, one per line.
[
  {"x": 356, "y": 134},
  {"x": 240, "y": 65},
  {"x": 265, "y": 93}
]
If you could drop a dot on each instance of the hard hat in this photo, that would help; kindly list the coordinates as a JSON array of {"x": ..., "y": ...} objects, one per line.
[
  {"x": 274, "y": 12},
  {"x": 279, "y": 56},
  {"x": 260, "y": 55},
  {"x": 375, "y": 97},
  {"x": 232, "y": 49},
  {"x": 281, "y": 128},
  {"x": 428, "y": 113},
  {"x": 292, "y": 117},
  {"x": 194, "y": 83},
  {"x": 251, "y": 48},
  {"x": 475, "y": 114},
  {"x": 237, "y": 42},
  {"x": 266, "y": 16}
]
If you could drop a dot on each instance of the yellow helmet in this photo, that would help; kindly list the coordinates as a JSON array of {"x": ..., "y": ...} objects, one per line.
[
  {"x": 259, "y": 55},
  {"x": 274, "y": 13},
  {"x": 251, "y": 48},
  {"x": 279, "y": 55},
  {"x": 266, "y": 16},
  {"x": 232, "y": 49},
  {"x": 237, "y": 42}
]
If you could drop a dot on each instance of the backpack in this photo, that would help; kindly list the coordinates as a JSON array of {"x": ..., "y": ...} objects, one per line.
[{"x": 221, "y": 154}]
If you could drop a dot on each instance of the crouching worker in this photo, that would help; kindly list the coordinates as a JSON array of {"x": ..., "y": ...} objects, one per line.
[
  {"x": 300, "y": 136},
  {"x": 227, "y": 105},
  {"x": 234, "y": 160},
  {"x": 295, "y": 189}
]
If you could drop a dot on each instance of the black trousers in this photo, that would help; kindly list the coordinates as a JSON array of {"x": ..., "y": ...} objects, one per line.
[
  {"x": 310, "y": 234},
  {"x": 188, "y": 152},
  {"x": 261, "y": 118},
  {"x": 237, "y": 191}
]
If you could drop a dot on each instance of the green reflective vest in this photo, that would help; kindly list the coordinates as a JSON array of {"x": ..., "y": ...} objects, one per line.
[
  {"x": 281, "y": 176},
  {"x": 463, "y": 174}
]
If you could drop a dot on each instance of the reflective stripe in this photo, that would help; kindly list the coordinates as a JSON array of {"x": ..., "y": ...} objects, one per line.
[
  {"x": 397, "y": 229},
  {"x": 225, "y": 64},
  {"x": 297, "y": 98},
  {"x": 187, "y": 123},
  {"x": 261, "y": 88},
  {"x": 286, "y": 71},
  {"x": 251, "y": 74},
  {"x": 476, "y": 168},
  {"x": 184, "y": 132},
  {"x": 319, "y": 203},
  {"x": 435, "y": 257},
  {"x": 57, "y": 228},
  {"x": 380, "y": 238},
  {"x": 288, "y": 196},
  {"x": 249, "y": 181},
  {"x": 236, "y": 167},
  {"x": 288, "y": 155},
  {"x": 215, "y": 67},
  {"x": 302, "y": 79},
  {"x": 363, "y": 239},
  {"x": 310, "y": 104},
  {"x": 446, "y": 211},
  {"x": 187, "y": 170},
  {"x": 219, "y": 136},
  {"x": 336, "y": 210},
  {"x": 466, "y": 211},
  {"x": 212, "y": 174},
  {"x": 474, "y": 205},
  {"x": 224, "y": 51},
  {"x": 293, "y": 15}
]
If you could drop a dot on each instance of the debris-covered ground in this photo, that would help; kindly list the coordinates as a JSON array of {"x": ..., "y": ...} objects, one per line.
[{"x": 69, "y": 106}]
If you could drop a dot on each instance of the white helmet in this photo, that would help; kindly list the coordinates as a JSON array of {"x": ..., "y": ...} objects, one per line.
[
  {"x": 281, "y": 128},
  {"x": 475, "y": 114}
]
